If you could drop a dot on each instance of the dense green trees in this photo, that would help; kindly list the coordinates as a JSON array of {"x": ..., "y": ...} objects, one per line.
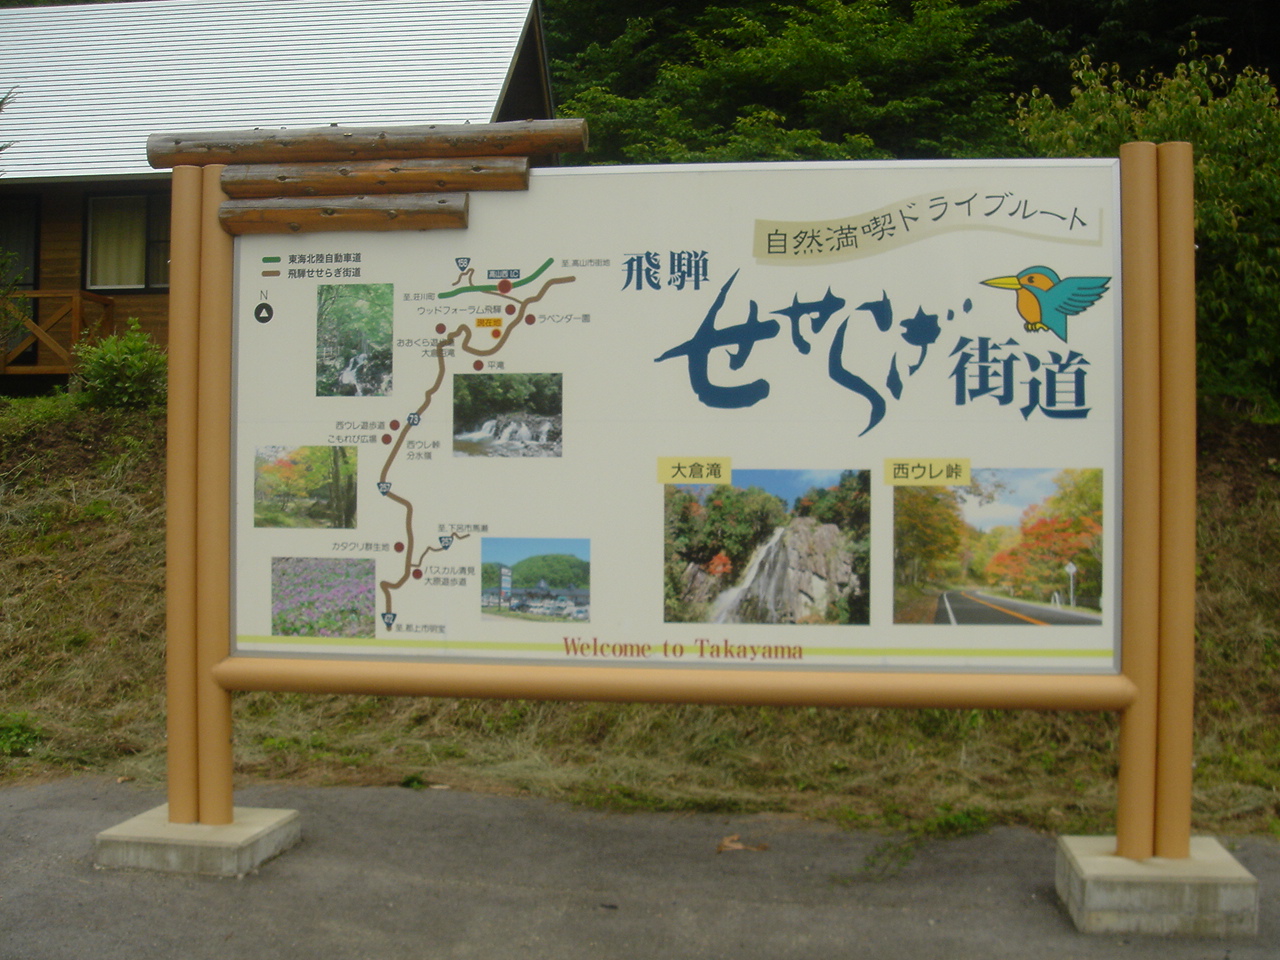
[
  {"x": 818, "y": 80},
  {"x": 481, "y": 396},
  {"x": 353, "y": 339},
  {"x": 1234, "y": 126},
  {"x": 721, "y": 528},
  {"x": 559, "y": 571},
  {"x": 754, "y": 80},
  {"x": 847, "y": 504}
]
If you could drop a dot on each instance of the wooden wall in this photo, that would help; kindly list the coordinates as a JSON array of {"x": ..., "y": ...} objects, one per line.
[{"x": 61, "y": 248}]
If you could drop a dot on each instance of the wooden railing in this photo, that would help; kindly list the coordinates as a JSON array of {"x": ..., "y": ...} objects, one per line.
[{"x": 54, "y": 320}]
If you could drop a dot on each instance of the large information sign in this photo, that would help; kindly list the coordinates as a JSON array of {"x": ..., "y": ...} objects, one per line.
[{"x": 787, "y": 417}]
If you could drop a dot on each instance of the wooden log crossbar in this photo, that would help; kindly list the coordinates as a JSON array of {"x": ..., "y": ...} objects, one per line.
[
  {"x": 410, "y": 211},
  {"x": 366, "y": 178}
]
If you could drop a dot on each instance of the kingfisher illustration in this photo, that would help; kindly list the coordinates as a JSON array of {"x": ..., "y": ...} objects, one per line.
[{"x": 1045, "y": 300}]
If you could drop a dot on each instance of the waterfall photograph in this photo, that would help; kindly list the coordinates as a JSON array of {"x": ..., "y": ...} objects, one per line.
[
  {"x": 507, "y": 414},
  {"x": 775, "y": 546},
  {"x": 353, "y": 339}
]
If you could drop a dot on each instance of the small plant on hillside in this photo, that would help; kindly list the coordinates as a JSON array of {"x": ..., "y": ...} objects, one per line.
[
  {"x": 18, "y": 735},
  {"x": 124, "y": 370}
]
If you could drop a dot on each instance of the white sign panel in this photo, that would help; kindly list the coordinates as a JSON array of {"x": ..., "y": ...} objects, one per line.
[{"x": 790, "y": 416}]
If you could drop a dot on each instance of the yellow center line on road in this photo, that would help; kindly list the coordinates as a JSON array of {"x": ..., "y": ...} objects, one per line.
[{"x": 1012, "y": 613}]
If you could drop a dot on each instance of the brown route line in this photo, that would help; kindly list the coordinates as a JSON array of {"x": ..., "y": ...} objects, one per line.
[{"x": 464, "y": 332}]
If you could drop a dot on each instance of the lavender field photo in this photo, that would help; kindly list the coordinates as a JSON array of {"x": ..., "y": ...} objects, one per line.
[{"x": 312, "y": 597}]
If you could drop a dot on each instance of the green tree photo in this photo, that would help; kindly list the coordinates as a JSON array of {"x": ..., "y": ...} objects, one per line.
[
  {"x": 559, "y": 571},
  {"x": 353, "y": 339},
  {"x": 305, "y": 487}
]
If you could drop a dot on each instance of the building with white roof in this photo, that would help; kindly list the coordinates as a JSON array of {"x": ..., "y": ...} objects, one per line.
[{"x": 88, "y": 84}]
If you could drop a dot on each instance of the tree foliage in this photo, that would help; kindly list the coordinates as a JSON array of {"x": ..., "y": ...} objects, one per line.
[
  {"x": 847, "y": 504},
  {"x": 720, "y": 520},
  {"x": 1044, "y": 36},
  {"x": 1233, "y": 124},
  {"x": 1065, "y": 529},
  {"x": 633, "y": 50},
  {"x": 353, "y": 339},
  {"x": 928, "y": 530},
  {"x": 481, "y": 396},
  {"x": 819, "y": 79},
  {"x": 305, "y": 487},
  {"x": 558, "y": 570}
]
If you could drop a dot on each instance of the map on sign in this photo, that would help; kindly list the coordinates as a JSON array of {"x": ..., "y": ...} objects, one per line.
[{"x": 820, "y": 416}]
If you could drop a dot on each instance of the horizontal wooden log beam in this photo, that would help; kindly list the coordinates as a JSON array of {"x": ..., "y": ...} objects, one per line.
[
  {"x": 334, "y": 144},
  {"x": 430, "y": 211},
  {"x": 375, "y": 177}
]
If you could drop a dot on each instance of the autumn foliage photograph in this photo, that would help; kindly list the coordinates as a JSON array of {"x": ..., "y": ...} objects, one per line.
[
  {"x": 305, "y": 487},
  {"x": 1033, "y": 536}
]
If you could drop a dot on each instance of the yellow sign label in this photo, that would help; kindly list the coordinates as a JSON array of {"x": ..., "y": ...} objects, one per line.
[
  {"x": 717, "y": 470},
  {"x": 953, "y": 472},
  {"x": 488, "y": 321}
]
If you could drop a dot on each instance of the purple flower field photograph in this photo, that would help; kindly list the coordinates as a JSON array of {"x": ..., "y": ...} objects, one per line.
[{"x": 311, "y": 597}]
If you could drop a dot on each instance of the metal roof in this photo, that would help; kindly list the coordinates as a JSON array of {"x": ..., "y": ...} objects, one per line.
[{"x": 90, "y": 83}]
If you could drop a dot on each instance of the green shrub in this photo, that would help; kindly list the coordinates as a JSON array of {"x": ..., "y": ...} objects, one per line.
[
  {"x": 1233, "y": 124},
  {"x": 18, "y": 735},
  {"x": 124, "y": 370}
]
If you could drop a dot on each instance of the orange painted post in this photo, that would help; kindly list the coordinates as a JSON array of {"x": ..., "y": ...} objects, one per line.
[
  {"x": 180, "y": 496},
  {"x": 1177, "y": 501},
  {"x": 641, "y": 685},
  {"x": 213, "y": 536},
  {"x": 1135, "y": 807}
]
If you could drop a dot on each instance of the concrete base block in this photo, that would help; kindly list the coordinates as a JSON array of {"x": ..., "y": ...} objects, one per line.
[
  {"x": 1209, "y": 894},
  {"x": 150, "y": 842}
]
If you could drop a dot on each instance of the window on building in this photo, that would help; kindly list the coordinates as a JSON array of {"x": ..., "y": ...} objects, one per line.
[
  {"x": 128, "y": 243},
  {"x": 19, "y": 217}
]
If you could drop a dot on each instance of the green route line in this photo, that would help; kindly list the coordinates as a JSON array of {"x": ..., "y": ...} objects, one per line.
[{"x": 493, "y": 287}]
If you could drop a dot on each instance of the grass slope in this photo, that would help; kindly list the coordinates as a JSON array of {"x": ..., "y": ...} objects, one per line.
[{"x": 81, "y": 678}]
